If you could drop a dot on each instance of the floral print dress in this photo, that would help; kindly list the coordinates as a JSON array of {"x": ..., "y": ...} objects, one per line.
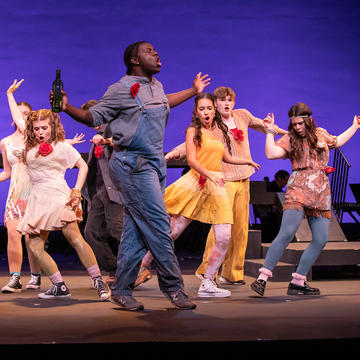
[
  {"x": 308, "y": 187},
  {"x": 19, "y": 184}
]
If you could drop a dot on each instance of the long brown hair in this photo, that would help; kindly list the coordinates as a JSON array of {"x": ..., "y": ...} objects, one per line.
[
  {"x": 57, "y": 130},
  {"x": 195, "y": 122},
  {"x": 296, "y": 141}
]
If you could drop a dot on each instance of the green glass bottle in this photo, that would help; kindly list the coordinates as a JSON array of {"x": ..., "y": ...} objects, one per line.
[{"x": 57, "y": 86}]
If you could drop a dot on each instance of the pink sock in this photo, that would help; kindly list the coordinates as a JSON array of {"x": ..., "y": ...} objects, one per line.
[
  {"x": 298, "y": 279},
  {"x": 94, "y": 271},
  {"x": 264, "y": 274},
  {"x": 56, "y": 278}
]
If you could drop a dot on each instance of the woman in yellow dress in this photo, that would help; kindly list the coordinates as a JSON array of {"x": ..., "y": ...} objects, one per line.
[{"x": 201, "y": 193}]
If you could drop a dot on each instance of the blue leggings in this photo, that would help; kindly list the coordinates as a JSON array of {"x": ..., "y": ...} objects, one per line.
[{"x": 290, "y": 222}]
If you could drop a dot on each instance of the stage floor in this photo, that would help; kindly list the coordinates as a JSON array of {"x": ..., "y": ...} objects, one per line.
[{"x": 242, "y": 318}]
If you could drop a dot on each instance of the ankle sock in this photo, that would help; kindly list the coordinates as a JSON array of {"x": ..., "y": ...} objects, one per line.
[
  {"x": 264, "y": 274},
  {"x": 16, "y": 273},
  {"x": 56, "y": 278},
  {"x": 298, "y": 279},
  {"x": 94, "y": 271}
]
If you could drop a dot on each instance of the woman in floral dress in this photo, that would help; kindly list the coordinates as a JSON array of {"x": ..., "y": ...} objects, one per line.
[{"x": 308, "y": 191}]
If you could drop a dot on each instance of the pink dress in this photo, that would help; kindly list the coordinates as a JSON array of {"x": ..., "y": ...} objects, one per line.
[
  {"x": 46, "y": 208},
  {"x": 308, "y": 187}
]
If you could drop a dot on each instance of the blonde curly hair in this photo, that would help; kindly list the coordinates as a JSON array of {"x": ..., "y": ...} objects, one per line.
[{"x": 57, "y": 130}]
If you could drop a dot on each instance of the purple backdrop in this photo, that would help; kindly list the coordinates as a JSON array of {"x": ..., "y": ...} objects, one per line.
[{"x": 272, "y": 53}]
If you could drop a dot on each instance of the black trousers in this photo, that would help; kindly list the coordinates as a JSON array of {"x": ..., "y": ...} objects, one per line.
[{"x": 103, "y": 229}]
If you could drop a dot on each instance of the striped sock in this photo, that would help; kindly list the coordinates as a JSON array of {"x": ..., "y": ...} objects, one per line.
[
  {"x": 56, "y": 278},
  {"x": 94, "y": 271}
]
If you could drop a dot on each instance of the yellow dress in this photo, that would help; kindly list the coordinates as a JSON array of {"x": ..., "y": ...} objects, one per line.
[{"x": 208, "y": 203}]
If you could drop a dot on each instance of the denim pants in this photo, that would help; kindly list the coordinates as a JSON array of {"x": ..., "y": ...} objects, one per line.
[
  {"x": 291, "y": 220},
  {"x": 139, "y": 171}
]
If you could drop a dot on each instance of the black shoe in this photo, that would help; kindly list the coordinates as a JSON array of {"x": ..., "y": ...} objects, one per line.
[
  {"x": 127, "y": 302},
  {"x": 180, "y": 300},
  {"x": 259, "y": 286},
  {"x": 294, "y": 289},
  {"x": 57, "y": 291}
]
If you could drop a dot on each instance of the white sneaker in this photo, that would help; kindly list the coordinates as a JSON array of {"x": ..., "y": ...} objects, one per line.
[
  {"x": 35, "y": 282},
  {"x": 208, "y": 288}
]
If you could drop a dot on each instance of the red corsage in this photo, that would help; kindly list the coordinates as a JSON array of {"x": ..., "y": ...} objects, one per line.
[
  {"x": 329, "y": 170},
  {"x": 45, "y": 149},
  {"x": 202, "y": 180},
  {"x": 134, "y": 90},
  {"x": 238, "y": 134},
  {"x": 98, "y": 151}
]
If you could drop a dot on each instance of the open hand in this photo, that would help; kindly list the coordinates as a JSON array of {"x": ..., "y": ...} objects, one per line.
[
  {"x": 200, "y": 82},
  {"x": 77, "y": 139},
  {"x": 15, "y": 85}
]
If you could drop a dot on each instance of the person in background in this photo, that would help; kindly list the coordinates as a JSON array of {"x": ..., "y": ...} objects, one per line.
[
  {"x": 270, "y": 215},
  {"x": 105, "y": 211}
]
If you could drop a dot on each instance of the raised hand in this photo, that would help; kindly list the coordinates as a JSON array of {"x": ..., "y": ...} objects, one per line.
[
  {"x": 269, "y": 121},
  {"x": 200, "y": 82},
  {"x": 15, "y": 85}
]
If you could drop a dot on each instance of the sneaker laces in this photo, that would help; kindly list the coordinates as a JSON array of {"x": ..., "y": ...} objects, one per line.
[
  {"x": 14, "y": 280},
  {"x": 100, "y": 285}
]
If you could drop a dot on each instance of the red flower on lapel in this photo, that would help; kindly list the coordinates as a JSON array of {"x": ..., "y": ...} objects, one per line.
[
  {"x": 238, "y": 134},
  {"x": 98, "y": 151},
  {"x": 134, "y": 90}
]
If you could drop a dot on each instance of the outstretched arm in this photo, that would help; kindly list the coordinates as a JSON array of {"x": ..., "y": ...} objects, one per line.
[
  {"x": 272, "y": 151},
  {"x": 238, "y": 160},
  {"x": 7, "y": 168},
  {"x": 199, "y": 83},
  {"x": 349, "y": 133},
  {"x": 82, "y": 116},
  {"x": 14, "y": 109}
]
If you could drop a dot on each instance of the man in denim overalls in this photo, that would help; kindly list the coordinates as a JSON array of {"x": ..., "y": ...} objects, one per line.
[{"x": 137, "y": 110}]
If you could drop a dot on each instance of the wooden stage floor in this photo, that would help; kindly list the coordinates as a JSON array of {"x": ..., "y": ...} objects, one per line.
[{"x": 243, "y": 319}]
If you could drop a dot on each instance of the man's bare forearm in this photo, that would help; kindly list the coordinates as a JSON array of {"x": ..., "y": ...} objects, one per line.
[{"x": 82, "y": 116}]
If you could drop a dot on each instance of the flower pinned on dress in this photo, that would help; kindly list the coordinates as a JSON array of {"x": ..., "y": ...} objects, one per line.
[
  {"x": 328, "y": 170},
  {"x": 134, "y": 90},
  {"x": 238, "y": 134},
  {"x": 98, "y": 151},
  {"x": 202, "y": 180},
  {"x": 45, "y": 149}
]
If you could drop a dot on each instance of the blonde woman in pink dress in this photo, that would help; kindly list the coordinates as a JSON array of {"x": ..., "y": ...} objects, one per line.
[
  {"x": 51, "y": 204},
  {"x": 308, "y": 192}
]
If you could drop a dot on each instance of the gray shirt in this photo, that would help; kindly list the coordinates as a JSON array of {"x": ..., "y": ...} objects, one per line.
[{"x": 120, "y": 109}]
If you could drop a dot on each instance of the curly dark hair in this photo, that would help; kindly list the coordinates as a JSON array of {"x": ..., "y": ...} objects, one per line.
[
  {"x": 195, "y": 122},
  {"x": 296, "y": 141}
]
